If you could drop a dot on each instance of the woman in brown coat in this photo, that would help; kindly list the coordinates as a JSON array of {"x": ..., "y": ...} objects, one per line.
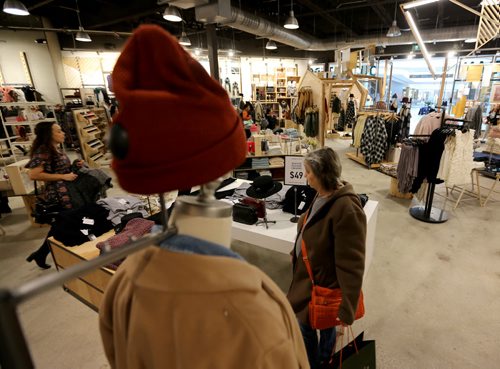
[{"x": 334, "y": 234}]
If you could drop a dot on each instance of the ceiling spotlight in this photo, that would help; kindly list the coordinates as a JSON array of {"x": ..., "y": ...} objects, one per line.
[
  {"x": 230, "y": 53},
  {"x": 172, "y": 14},
  {"x": 15, "y": 7},
  {"x": 310, "y": 61},
  {"x": 451, "y": 54},
  {"x": 82, "y": 36},
  {"x": 271, "y": 45},
  {"x": 394, "y": 30},
  {"x": 291, "y": 22},
  {"x": 197, "y": 52},
  {"x": 184, "y": 40},
  {"x": 470, "y": 41}
]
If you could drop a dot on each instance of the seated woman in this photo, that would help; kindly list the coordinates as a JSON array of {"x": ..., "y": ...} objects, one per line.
[{"x": 50, "y": 164}]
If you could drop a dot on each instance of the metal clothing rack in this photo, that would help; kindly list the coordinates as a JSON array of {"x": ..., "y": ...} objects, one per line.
[
  {"x": 14, "y": 350},
  {"x": 428, "y": 213}
]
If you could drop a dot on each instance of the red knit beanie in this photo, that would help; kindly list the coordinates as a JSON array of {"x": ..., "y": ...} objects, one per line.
[{"x": 181, "y": 128}]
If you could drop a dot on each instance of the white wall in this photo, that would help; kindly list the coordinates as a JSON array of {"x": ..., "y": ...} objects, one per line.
[{"x": 38, "y": 58}]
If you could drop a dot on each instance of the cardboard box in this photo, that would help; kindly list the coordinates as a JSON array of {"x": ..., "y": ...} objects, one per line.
[{"x": 19, "y": 178}]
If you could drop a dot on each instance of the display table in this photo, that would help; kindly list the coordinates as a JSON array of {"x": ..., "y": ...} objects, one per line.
[
  {"x": 89, "y": 288},
  {"x": 280, "y": 237}
]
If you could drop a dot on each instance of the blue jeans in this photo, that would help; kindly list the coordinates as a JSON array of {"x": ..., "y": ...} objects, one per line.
[{"x": 318, "y": 352}]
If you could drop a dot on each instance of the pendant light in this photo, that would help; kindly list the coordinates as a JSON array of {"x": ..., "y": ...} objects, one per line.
[
  {"x": 15, "y": 7},
  {"x": 172, "y": 14},
  {"x": 81, "y": 35},
  {"x": 271, "y": 45},
  {"x": 291, "y": 22},
  {"x": 394, "y": 30}
]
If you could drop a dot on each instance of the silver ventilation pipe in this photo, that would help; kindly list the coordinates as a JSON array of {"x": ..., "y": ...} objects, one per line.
[{"x": 236, "y": 18}]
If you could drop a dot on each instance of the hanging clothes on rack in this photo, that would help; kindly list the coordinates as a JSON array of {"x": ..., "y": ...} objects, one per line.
[
  {"x": 341, "y": 121},
  {"x": 428, "y": 124},
  {"x": 405, "y": 116},
  {"x": 393, "y": 128},
  {"x": 350, "y": 115},
  {"x": 374, "y": 141},
  {"x": 358, "y": 130},
  {"x": 311, "y": 126},
  {"x": 456, "y": 164},
  {"x": 407, "y": 169},
  {"x": 305, "y": 101},
  {"x": 335, "y": 104},
  {"x": 475, "y": 115}
]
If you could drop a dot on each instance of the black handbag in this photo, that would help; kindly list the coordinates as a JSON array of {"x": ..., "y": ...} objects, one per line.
[
  {"x": 245, "y": 214},
  {"x": 45, "y": 212}
]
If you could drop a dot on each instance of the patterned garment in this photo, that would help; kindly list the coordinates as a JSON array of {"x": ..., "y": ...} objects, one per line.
[
  {"x": 55, "y": 191},
  {"x": 350, "y": 115},
  {"x": 374, "y": 141}
]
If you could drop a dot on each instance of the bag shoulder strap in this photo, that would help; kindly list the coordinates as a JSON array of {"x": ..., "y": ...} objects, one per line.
[{"x": 304, "y": 252}]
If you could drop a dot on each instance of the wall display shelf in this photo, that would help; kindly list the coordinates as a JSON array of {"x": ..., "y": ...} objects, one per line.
[
  {"x": 260, "y": 162},
  {"x": 92, "y": 125},
  {"x": 271, "y": 86},
  {"x": 18, "y": 125}
]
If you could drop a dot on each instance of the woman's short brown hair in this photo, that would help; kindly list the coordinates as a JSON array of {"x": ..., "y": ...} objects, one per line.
[{"x": 326, "y": 167}]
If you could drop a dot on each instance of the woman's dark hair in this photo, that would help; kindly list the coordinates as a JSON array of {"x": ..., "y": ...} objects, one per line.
[
  {"x": 268, "y": 110},
  {"x": 325, "y": 165},
  {"x": 43, "y": 139}
]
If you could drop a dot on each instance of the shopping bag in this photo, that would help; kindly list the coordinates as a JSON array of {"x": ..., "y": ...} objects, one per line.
[{"x": 358, "y": 354}]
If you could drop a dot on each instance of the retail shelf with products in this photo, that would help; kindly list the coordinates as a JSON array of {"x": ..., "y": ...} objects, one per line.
[
  {"x": 91, "y": 127},
  {"x": 18, "y": 125}
]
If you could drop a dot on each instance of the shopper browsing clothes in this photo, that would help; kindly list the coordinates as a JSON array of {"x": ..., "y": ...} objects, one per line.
[
  {"x": 51, "y": 165},
  {"x": 334, "y": 233}
]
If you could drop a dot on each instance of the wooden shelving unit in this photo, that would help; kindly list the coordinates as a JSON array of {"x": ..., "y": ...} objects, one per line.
[{"x": 92, "y": 125}]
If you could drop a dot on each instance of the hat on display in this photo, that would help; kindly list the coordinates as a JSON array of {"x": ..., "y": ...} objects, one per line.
[
  {"x": 176, "y": 127},
  {"x": 405, "y": 100},
  {"x": 263, "y": 187},
  {"x": 395, "y": 96}
]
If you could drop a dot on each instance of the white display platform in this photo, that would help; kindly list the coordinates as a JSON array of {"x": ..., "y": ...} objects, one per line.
[{"x": 280, "y": 237}]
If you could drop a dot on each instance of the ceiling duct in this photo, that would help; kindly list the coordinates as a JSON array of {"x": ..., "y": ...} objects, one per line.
[{"x": 222, "y": 12}]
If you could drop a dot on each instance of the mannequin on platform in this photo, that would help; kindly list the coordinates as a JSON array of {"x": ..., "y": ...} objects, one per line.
[{"x": 189, "y": 302}]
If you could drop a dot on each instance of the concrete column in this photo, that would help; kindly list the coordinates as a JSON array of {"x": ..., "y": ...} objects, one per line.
[
  {"x": 213, "y": 58},
  {"x": 55, "y": 54}
]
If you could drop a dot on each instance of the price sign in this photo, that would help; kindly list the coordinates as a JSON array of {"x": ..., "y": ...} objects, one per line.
[{"x": 295, "y": 172}]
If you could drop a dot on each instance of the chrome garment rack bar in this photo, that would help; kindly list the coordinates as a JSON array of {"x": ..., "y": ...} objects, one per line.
[
  {"x": 14, "y": 349},
  {"x": 428, "y": 213}
]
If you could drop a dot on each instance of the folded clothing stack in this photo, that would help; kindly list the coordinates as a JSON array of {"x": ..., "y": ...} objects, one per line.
[
  {"x": 135, "y": 228},
  {"x": 120, "y": 205},
  {"x": 278, "y": 161},
  {"x": 275, "y": 149},
  {"x": 260, "y": 163}
]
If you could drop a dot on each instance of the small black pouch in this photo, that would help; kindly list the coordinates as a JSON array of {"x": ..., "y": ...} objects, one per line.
[{"x": 245, "y": 214}]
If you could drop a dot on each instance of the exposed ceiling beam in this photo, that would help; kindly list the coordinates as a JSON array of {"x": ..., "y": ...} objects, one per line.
[
  {"x": 126, "y": 18},
  {"x": 40, "y": 4},
  {"x": 330, "y": 18},
  {"x": 382, "y": 14},
  {"x": 340, "y": 8}
]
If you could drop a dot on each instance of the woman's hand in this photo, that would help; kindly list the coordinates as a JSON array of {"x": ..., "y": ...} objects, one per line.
[{"x": 70, "y": 177}]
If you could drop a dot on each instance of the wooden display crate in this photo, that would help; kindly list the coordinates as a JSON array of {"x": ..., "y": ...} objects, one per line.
[{"x": 89, "y": 288}]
